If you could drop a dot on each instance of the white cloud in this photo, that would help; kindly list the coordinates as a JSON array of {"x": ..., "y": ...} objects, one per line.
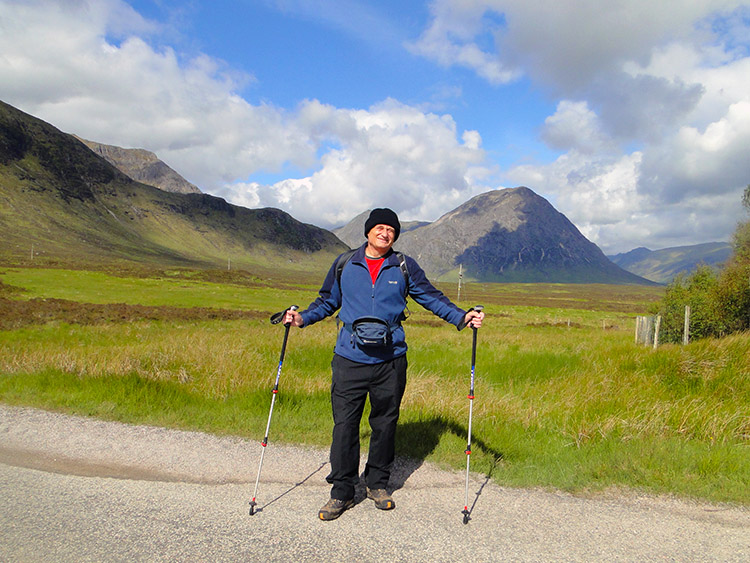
[
  {"x": 693, "y": 162},
  {"x": 684, "y": 190},
  {"x": 575, "y": 126},
  {"x": 562, "y": 44},
  {"x": 604, "y": 199},
  {"x": 389, "y": 155},
  {"x": 451, "y": 40},
  {"x": 593, "y": 194}
]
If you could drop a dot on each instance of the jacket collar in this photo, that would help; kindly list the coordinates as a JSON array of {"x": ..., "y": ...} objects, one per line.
[{"x": 359, "y": 255}]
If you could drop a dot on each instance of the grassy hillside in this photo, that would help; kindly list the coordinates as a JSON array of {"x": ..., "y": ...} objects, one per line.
[{"x": 74, "y": 208}]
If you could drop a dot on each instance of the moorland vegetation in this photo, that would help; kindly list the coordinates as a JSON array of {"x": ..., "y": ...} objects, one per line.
[{"x": 564, "y": 396}]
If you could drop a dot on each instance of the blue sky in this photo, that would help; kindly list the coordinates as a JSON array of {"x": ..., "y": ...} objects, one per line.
[
  {"x": 631, "y": 117},
  {"x": 351, "y": 55}
]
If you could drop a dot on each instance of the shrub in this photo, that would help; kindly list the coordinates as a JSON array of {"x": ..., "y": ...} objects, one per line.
[
  {"x": 699, "y": 291},
  {"x": 733, "y": 291}
]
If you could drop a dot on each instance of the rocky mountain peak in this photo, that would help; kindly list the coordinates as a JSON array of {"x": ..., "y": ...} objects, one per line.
[{"x": 143, "y": 166}]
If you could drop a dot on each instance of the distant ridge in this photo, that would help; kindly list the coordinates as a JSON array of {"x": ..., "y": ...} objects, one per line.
[{"x": 63, "y": 203}]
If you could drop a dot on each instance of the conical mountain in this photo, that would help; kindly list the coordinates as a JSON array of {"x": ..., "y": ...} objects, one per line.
[{"x": 510, "y": 235}]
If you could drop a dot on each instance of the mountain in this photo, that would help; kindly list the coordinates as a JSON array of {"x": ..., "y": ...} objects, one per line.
[
  {"x": 509, "y": 235},
  {"x": 663, "y": 265},
  {"x": 142, "y": 166},
  {"x": 71, "y": 206}
]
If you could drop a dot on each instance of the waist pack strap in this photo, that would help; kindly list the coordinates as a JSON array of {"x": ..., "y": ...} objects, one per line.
[{"x": 350, "y": 327}]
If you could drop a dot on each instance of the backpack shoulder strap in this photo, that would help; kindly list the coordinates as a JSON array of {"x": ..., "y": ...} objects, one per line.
[
  {"x": 341, "y": 261},
  {"x": 404, "y": 268}
]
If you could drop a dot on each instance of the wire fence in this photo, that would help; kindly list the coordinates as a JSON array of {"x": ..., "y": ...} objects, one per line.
[{"x": 647, "y": 329}]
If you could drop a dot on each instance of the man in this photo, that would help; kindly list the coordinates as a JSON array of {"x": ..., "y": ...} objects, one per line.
[{"x": 373, "y": 283}]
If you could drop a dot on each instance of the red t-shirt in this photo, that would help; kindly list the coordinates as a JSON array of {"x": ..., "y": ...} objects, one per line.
[{"x": 374, "y": 265}]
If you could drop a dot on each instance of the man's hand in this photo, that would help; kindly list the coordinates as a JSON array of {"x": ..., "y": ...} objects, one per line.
[
  {"x": 293, "y": 318},
  {"x": 474, "y": 319}
]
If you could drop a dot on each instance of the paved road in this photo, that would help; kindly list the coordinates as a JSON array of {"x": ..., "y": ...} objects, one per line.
[{"x": 77, "y": 489}]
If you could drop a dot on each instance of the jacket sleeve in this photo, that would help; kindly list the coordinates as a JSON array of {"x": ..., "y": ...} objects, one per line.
[
  {"x": 327, "y": 302},
  {"x": 430, "y": 297}
]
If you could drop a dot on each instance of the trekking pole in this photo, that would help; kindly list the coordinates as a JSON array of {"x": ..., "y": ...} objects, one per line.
[
  {"x": 465, "y": 512},
  {"x": 275, "y": 319}
]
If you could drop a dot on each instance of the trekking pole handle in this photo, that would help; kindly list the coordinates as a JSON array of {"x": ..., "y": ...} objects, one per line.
[
  {"x": 478, "y": 309},
  {"x": 276, "y": 318},
  {"x": 292, "y": 308}
]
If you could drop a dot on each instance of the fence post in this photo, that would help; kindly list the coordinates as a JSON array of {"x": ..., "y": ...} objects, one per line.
[
  {"x": 656, "y": 331},
  {"x": 686, "y": 329},
  {"x": 460, "y": 279},
  {"x": 643, "y": 328}
]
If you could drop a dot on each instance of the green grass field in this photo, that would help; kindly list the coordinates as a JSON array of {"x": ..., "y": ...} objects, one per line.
[{"x": 564, "y": 397}]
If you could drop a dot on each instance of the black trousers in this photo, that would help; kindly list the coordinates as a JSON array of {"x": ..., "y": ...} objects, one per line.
[{"x": 352, "y": 383}]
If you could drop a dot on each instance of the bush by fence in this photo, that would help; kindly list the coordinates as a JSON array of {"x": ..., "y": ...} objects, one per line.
[{"x": 719, "y": 302}]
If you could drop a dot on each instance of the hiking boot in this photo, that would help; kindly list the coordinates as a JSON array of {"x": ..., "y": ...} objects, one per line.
[
  {"x": 333, "y": 508},
  {"x": 382, "y": 499}
]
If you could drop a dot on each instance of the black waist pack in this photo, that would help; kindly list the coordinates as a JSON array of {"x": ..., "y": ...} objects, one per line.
[{"x": 371, "y": 332}]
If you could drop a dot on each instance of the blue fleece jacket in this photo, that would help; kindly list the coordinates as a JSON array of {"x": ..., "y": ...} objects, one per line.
[{"x": 386, "y": 299}]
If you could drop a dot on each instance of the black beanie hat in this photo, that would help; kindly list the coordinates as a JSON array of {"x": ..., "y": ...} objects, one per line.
[{"x": 383, "y": 216}]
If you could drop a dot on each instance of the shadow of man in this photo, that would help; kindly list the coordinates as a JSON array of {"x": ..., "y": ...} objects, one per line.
[{"x": 416, "y": 440}]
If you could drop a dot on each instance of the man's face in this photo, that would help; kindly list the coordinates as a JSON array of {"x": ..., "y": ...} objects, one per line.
[{"x": 381, "y": 237}]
